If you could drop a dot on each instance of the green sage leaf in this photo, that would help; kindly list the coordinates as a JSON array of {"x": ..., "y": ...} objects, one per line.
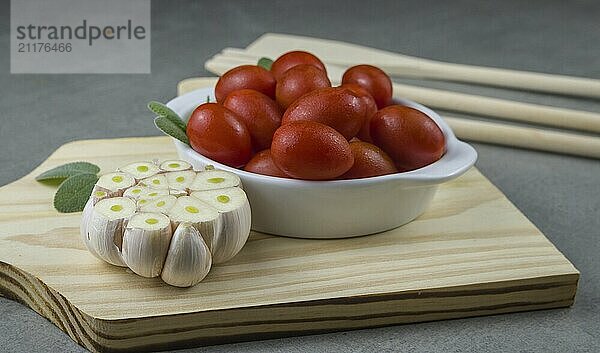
[
  {"x": 265, "y": 63},
  {"x": 74, "y": 192},
  {"x": 168, "y": 127},
  {"x": 162, "y": 110},
  {"x": 68, "y": 170}
]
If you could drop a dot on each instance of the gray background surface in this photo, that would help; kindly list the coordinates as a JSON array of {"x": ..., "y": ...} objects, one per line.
[{"x": 560, "y": 194}]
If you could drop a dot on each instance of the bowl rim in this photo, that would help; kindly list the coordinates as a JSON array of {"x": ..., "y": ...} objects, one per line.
[{"x": 458, "y": 158}]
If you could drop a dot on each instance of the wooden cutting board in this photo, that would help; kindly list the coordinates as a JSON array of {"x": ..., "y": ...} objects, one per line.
[{"x": 472, "y": 253}]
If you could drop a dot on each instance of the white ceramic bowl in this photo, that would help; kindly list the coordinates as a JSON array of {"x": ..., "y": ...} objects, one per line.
[{"x": 339, "y": 208}]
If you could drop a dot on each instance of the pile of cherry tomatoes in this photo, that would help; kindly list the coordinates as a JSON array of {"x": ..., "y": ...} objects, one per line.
[{"x": 290, "y": 122}]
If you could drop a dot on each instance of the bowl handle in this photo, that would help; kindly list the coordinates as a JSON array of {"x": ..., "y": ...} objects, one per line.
[{"x": 459, "y": 158}]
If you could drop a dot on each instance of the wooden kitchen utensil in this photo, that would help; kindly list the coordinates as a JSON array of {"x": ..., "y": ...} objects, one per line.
[
  {"x": 480, "y": 131},
  {"x": 347, "y": 54},
  {"x": 448, "y": 100}
]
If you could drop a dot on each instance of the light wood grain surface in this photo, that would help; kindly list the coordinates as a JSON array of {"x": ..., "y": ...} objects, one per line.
[{"x": 472, "y": 253}]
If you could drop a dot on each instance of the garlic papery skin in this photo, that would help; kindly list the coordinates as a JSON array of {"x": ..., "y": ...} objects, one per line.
[
  {"x": 214, "y": 179},
  {"x": 188, "y": 260},
  {"x": 146, "y": 243},
  {"x": 178, "y": 193},
  {"x": 236, "y": 218},
  {"x": 205, "y": 218},
  {"x": 180, "y": 180},
  {"x": 175, "y": 166},
  {"x": 114, "y": 184},
  {"x": 105, "y": 225},
  {"x": 140, "y": 170},
  {"x": 158, "y": 181},
  {"x": 83, "y": 227}
]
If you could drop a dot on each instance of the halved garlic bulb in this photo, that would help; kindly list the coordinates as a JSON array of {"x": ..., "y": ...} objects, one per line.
[{"x": 156, "y": 228}]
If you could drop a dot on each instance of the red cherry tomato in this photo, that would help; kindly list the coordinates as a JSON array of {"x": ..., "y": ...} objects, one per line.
[
  {"x": 245, "y": 76},
  {"x": 371, "y": 108},
  {"x": 260, "y": 114},
  {"x": 311, "y": 150},
  {"x": 410, "y": 137},
  {"x": 374, "y": 80},
  {"x": 293, "y": 58},
  {"x": 298, "y": 81},
  {"x": 217, "y": 133},
  {"x": 337, "y": 107},
  {"x": 369, "y": 161},
  {"x": 262, "y": 163}
]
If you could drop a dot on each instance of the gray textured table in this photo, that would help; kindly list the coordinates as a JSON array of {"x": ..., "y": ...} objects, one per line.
[{"x": 560, "y": 194}]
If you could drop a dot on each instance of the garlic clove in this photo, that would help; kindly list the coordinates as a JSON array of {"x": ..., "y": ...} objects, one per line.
[
  {"x": 214, "y": 179},
  {"x": 140, "y": 170},
  {"x": 151, "y": 194},
  {"x": 236, "y": 216},
  {"x": 146, "y": 243},
  {"x": 205, "y": 218},
  {"x": 135, "y": 192},
  {"x": 158, "y": 181},
  {"x": 105, "y": 225},
  {"x": 114, "y": 184},
  {"x": 98, "y": 194},
  {"x": 180, "y": 180},
  {"x": 188, "y": 260},
  {"x": 175, "y": 166},
  {"x": 160, "y": 205}
]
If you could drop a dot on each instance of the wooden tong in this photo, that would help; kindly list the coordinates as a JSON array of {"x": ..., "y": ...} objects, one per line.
[{"x": 347, "y": 54}]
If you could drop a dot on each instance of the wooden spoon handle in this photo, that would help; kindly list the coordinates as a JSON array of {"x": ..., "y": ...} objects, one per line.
[
  {"x": 525, "y": 137},
  {"x": 453, "y": 101},
  {"x": 500, "y": 108},
  {"x": 406, "y": 66},
  {"x": 482, "y": 131},
  {"x": 522, "y": 80}
]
